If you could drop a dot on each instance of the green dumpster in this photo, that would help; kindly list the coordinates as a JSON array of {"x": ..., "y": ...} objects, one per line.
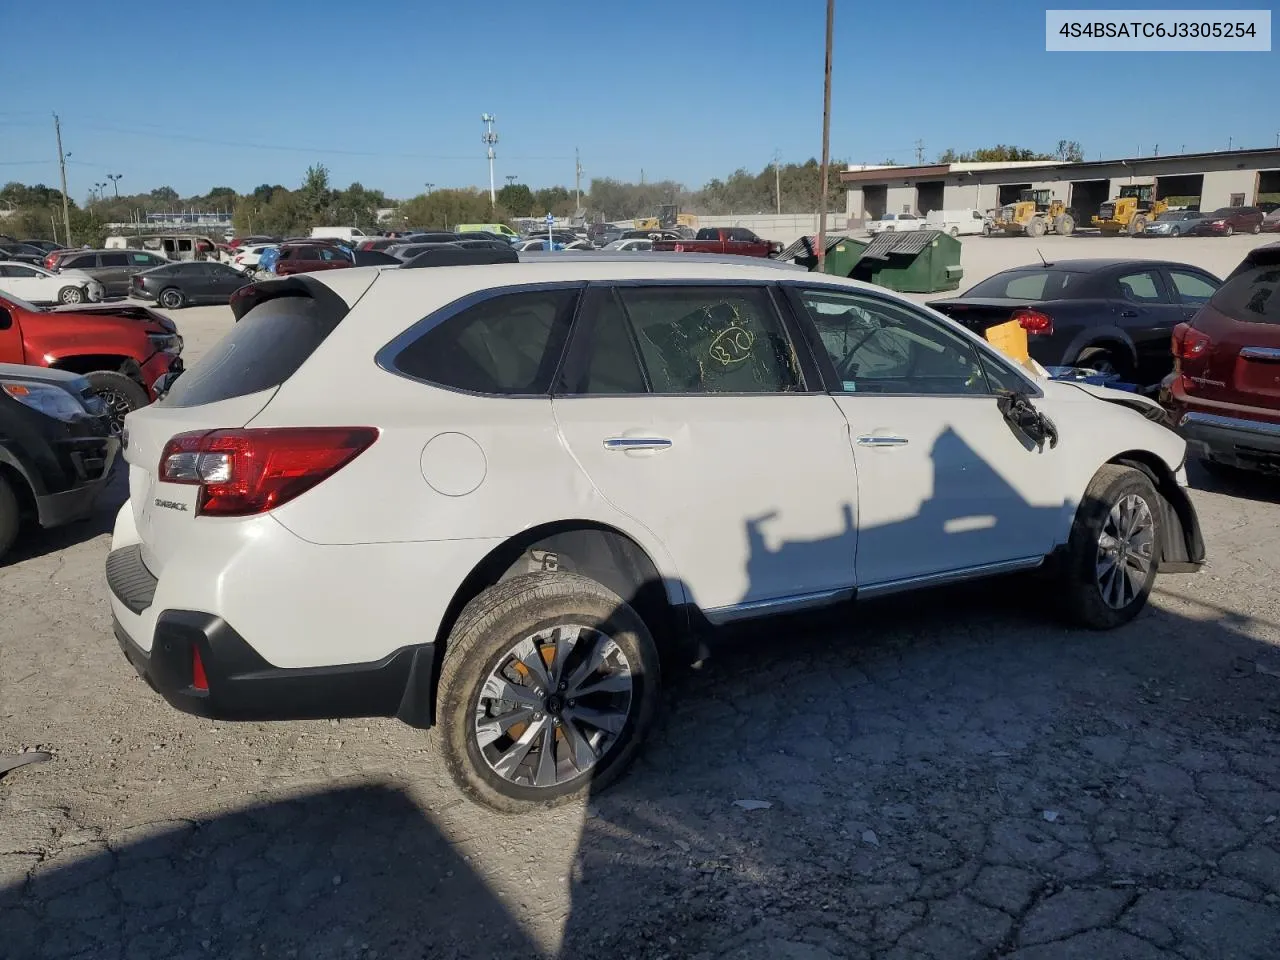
[{"x": 922, "y": 261}]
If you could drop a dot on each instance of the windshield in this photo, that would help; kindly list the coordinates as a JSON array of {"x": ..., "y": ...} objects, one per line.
[{"x": 1035, "y": 284}]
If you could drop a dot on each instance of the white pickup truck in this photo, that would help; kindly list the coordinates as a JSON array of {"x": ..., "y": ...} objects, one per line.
[{"x": 895, "y": 222}]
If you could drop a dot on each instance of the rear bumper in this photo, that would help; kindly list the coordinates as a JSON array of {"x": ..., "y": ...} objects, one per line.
[
  {"x": 1253, "y": 444},
  {"x": 243, "y": 686}
]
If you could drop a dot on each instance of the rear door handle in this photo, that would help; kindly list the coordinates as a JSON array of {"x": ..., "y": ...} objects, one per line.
[
  {"x": 1128, "y": 313},
  {"x": 875, "y": 440},
  {"x": 637, "y": 443}
]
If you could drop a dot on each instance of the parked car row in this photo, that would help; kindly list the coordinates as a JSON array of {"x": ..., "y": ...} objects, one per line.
[{"x": 1219, "y": 223}]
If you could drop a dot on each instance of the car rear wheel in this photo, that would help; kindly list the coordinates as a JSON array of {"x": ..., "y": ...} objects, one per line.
[
  {"x": 1113, "y": 553},
  {"x": 121, "y": 395},
  {"x": 171, "y": 298},
  {"x": 1104, "y": 360},
  {"x": 10, "y": 516},
  {"x": 954, "y": 231},
  {"x": 549, "y": 684},
  {"x": 71, "y": 295}
]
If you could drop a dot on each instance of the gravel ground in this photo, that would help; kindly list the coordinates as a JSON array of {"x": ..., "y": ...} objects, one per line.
[{"x": 949, "y": 776}]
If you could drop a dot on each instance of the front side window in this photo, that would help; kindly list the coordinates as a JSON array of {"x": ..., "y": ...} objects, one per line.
[
  {"x": 1192, "y": 287},
  {"x": 142, "y": 259},
  {"x": 711, "y": 339},
  {"x": 1141, "y": 287},
  {"x": 881, "y": 347},
  {"x": 509, "y": 344}
]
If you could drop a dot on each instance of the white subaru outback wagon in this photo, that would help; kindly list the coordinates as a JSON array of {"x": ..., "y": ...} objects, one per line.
[{"x": 491, "y": 495}]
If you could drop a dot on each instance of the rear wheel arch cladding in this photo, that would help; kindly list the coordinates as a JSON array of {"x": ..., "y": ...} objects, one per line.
[
  {"x": 1181, "y": 540},
  {"x": 591, "y": 549}
]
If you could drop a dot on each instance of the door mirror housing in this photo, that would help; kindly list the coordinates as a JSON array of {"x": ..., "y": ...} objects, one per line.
[{"x": 1018, "y": 411}]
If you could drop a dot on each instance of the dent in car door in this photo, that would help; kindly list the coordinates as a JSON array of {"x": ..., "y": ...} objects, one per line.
[
  {"x": 944, "y": 483},
  {"x": 686, "y": 408}
]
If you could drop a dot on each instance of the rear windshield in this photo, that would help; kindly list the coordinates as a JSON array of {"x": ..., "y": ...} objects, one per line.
[
  {"x": 263, "y": 350},
  {"x": 1031, "y": 285},
  {"x": 1250, "y": 294}
]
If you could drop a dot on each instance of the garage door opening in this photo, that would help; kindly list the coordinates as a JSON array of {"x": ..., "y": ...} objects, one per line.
[
  {"x": 1009, "y": 192},
  {"x": 1086, "y": 197},
  {"x": 1181, "y": 192},
  {"x": 874, "y": 199},
  {"x": 928, "y": 196},
  {"x": 1269, "y": 186}
]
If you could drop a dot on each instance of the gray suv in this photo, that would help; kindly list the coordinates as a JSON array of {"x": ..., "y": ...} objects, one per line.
[{"x": 114, "y": 269}]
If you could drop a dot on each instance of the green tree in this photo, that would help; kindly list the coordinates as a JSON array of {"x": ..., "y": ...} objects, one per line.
[
  {"x": 1002, "y": 153},
  {"x": 165, "y": 196},
  {"x": 314, "y": 195},
  {"x": 443, "y": 209},
  {"x": 1070, "y": 151},
  {"x": 517, "y": 199}
]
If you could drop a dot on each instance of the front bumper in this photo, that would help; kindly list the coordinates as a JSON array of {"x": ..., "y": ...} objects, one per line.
[
  {"x": 241, "y": 685},
  {"x": 56, "y": 509},
  {"x": 1251, "y": 444}
]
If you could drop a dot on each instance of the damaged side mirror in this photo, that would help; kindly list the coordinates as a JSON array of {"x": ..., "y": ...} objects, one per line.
[{"x": 1018, "y": 412}]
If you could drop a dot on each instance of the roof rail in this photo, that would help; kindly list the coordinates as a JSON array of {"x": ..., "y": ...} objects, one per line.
[{"x": 458, "y": 257}]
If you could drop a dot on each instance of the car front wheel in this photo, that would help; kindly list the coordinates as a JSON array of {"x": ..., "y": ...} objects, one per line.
[
  {"x": 548, "y": 685},
  {"x": 1113, "y": 553},
  {"x": 71, "y": 295}
]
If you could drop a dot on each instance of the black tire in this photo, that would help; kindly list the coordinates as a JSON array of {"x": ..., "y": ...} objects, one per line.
[
  {"x": 1137, "y": 225},
  {"x": 1228, "y": 231},
  {"x": 72, "y": 294},
  {"x": 1105, "y": 360},
  {"x": 1065, "y": 225},
  {"x": 1082, "y": 582},
  {"x": 954, "y": 231},
  {"x": 121, "y": 394},
  {"x": 1036, "y": 227},
  {"x": 171, "y": 298},
  {"x": 487, "y": 630},
  {"x": 1175, "y": 232},
  {"x": 10, "y": 516},
  {"x": 1256, "y": 229}
]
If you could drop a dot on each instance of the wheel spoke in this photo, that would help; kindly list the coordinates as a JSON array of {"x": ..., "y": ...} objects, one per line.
[
  {"x": 498, "y": 687},
  {"x": 610, "y": 683},
  {"x": 592, "y": 663},
  {"x": 566, "y": 639},
  {"x": 489, "y": 729},
  {"x": 581, "y": 752},
  {"x": 610, "y": 721},
  {"x": 528, "y": 653},
  {"x": 514, "y": 756},
  {"x": 546, "y": 775}
]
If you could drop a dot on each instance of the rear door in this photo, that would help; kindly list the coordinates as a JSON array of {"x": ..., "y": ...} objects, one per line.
[
  {"x": 10, "y": 335},
  {"x": 1148, "y": 314},
  {"x": 688, "y": 409},
  {"x": 1191, "y": 287},
  {"x": 115, "y": 273},
  {"x": 27, "y": 283}
]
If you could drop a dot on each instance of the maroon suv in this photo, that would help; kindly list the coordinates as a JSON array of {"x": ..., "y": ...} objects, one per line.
[
  {"x": 1229, "y": 220},
  {"x": 309, "y": 257},
  {"x": 1224, "y": 392}
]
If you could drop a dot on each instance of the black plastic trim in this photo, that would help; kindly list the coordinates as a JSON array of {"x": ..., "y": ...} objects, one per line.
[
  {"x": 244, "y": 686},
  {"x": 129, "y": 579}
]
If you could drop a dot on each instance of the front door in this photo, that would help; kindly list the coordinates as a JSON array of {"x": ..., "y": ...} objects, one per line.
[
  {"x": 10, "y": 335},
  {"x": 944, "y": 484},
  {"x": 1148, "y": 314},
  {"x": 687, "y": 408},
  {"x": 1193, "y": 288}
]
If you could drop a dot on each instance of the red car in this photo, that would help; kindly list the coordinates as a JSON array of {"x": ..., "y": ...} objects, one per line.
[
  {"x": 1228, "y": 220},
  {"x": 1224, "y": 392},
  {"x": 122, "y": 350},
  {"x": 309, "y": 257},
  {"x": 725, "y": 240}
]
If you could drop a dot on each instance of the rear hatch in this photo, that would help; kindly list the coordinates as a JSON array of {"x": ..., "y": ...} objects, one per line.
[
  {"x": 279, "y": 325},
  {"x": 1231, "y": 353}
]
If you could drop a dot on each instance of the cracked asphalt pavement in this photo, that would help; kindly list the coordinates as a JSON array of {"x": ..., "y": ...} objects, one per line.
[{"x": 951, "y": 775}]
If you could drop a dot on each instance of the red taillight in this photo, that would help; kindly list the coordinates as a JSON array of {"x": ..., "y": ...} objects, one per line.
[
  {"x": 243, "y": 472},
  {"x": 1189, "y": 343},
  {"x": 198, "y": 678},
  {"x": 1034, "y": 322}
]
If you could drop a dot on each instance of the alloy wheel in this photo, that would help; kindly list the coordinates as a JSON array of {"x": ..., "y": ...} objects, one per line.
[
  {"x": 72, "y": 295},
  {"x": 170, "y": 299},
  {"x": 1126, "y": 549},
  {"x": 554, "y": 705},
  {"x": 118, "y": 408}
]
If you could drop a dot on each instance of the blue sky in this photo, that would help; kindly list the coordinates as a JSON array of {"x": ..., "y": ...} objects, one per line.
[{"x": 390, "y": 93}]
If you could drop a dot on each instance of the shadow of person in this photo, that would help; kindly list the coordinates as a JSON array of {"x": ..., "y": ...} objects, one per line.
[
  {"x": 348, "y": 872},
  {"x": 947, "y": 774}
]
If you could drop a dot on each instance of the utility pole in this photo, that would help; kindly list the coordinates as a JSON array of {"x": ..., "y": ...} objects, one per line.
[
  {"x": 577, "y": 183},
  {"x": 511, "y": 179},
  {"x": 115, "y": 182},
  {"x": 428, "y": 186},
  {"x": 777, "y": 182},
  {"x": 489, "y": 139},
  {"x": 1229, "y": 141},
  {"x": 62, "y": 165},
  {"x": 826, "y": 139},
  {"x": 919, "y": 151}
]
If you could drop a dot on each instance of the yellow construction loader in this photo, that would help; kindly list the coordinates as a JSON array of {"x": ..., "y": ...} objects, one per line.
[
  {"x": 1035, "y": 214},
  {"x": 1131, "y": 211}
]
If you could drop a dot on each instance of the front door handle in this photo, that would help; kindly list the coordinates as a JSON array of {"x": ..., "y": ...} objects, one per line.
[
  {"x": 875, "y": 440},
  {"x": 636, "y": 443},
  {"x": 1128, "y": 313}
]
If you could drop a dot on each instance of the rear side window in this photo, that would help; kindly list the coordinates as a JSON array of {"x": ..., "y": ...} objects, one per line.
[
  {"x": 263, "y": 350},
  {"x": 79, "y": 263},
  {"x": 508, "y": 345},
  {"x": 1251, "y": 294},
  {"x": 114, "y": 260}
]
